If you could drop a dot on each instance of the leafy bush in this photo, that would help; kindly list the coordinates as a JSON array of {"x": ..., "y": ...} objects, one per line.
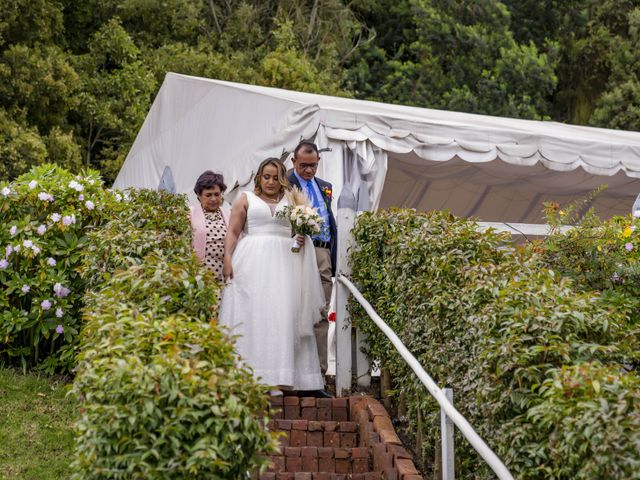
[
  {"x": 149, "y": 222},
  {"x": 495, "y": 324},
  {"x": 44, "y": 216},
  {"x": 162, "y": 393}
]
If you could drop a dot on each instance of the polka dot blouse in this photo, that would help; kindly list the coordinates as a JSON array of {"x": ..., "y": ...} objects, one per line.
[{"x": 214, "y": 250}]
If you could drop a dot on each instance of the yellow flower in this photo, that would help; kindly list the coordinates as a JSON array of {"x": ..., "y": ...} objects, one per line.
[
  {"x": 599, "y": 248},
  {"x": 626, "y": 232}
]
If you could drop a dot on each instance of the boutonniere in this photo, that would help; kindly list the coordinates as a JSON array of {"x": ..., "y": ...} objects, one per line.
[{"x": 327, "y": 192}]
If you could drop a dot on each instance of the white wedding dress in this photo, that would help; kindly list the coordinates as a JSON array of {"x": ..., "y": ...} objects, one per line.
[{"x": 273, "y": 301}]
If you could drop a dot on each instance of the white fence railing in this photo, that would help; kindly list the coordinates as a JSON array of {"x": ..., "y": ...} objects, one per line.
[{"x": 446, "y": 406}]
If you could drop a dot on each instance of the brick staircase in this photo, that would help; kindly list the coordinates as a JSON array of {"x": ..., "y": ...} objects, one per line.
[{"x": 336, "y": 439}]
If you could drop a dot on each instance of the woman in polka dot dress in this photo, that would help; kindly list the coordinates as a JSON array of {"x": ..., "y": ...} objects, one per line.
[{"x": 209, "y": 222}]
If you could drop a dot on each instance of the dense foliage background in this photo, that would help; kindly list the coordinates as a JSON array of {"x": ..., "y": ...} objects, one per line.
[{"x": 77, "y": 78}]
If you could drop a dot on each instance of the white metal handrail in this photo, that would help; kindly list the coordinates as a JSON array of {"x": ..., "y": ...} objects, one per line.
[{"x": 436, "y": 392}]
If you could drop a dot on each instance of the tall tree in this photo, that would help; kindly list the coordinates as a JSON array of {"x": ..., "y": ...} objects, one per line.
[{"x": 455, "y": 55}]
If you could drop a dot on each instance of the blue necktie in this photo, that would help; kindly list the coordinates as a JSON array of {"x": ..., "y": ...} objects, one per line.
[{"x": 312, "y": 195}]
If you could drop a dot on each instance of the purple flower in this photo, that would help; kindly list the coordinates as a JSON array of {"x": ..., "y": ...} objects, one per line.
[
  {"x": 60, "y": 329},
  {"x": 51, "y": 262},
  {"x": 615, "y": 278},
  {"x": 81, "y": 197},
  {"x": 8, "y": 251},
  {"x": 25, "y": 288},
  {"x": 45, "y": 304},
  {"x": 76, "y": 186},
  {"x": 33, "y": 184},
  {"x": 60, "y": 291},
  {"x": 41, "y": 229},
  {"x": 45, "y": 197},
  {"x": 89, "y": 204},
  {"x": 27, "y": 243},
  {"x": 59, "y": 312},
  {"x": 628, "y": 246},
  {"x": 69, "y": 219},
  {"x": 55, "y": 217},
  {"x": 13, "y": 230},
  {"x": 6, "y": 191},
  {"x": 3, "y": 264},
  {"x": 36, "y": 249}
]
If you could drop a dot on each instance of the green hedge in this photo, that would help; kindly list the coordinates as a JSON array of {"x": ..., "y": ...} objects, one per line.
[
  {"x": 497, "y": 324},
  {"x": 162, "y": 393}
]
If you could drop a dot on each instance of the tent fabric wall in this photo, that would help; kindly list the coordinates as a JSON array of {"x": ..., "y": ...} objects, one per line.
[{"x": 497, "y": 169}]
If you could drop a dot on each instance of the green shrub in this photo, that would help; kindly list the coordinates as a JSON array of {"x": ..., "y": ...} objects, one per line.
[
  {"x": 161, "y": 391},
  {"x": 492, "y": 322},
  {"x": 44, "y": 216},
  {"x": 149, "y": 222},
  {"x": 586, "y": 426}
]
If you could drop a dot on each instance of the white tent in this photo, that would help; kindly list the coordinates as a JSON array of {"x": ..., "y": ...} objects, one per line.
[
  {"x": 380, "y": 155},
  {"x": 495, "y": 169}
]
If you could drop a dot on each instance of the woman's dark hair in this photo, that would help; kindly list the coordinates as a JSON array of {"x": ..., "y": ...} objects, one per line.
[{"x": 207, "y": 180}]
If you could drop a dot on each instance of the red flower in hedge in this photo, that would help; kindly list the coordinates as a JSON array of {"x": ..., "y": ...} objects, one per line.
[{"x": 331, "y": 317}]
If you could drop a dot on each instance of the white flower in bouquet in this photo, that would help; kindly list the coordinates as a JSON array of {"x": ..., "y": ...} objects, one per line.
[{"x": 304, "y": 219}]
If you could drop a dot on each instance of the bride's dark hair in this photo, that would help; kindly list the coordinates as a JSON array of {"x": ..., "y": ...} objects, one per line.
[{"x": 282, "y": 175}]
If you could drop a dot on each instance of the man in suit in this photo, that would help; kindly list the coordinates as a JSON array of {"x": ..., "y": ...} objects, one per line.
[{"x": 305, "y": 164}]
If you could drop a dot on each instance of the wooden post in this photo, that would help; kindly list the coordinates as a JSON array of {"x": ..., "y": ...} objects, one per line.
[
  {"x": 446, "y": 437},
  {"x": 345, "y": 220},
  {"x": 362, "y": 361},
  {"x": 385, "y": 386}
]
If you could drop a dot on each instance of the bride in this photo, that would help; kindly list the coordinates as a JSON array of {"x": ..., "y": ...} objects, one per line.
[{"x": 273, "y": 296}]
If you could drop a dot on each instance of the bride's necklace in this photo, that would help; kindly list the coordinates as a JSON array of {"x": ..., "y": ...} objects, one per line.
[{"x": 269, "y": 199}]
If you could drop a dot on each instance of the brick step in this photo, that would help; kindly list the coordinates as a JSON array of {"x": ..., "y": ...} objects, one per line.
[
  {"x": 309, "y": 408},
  {"x": 322, "y": 460},
  {"x": 321, "y": 476},
  {"x": 316, "y": 433},
  {"x": 336, "y": 439}
]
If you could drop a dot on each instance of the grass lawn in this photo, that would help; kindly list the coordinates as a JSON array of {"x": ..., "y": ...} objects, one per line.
[{"x": 36, "y": 438}]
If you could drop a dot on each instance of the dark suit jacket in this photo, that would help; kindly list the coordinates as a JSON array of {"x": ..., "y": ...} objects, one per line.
[{"x": 333, "y": 230}]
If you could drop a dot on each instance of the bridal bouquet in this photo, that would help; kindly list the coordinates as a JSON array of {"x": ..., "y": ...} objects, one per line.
[{"x": 303, "y": 218}]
